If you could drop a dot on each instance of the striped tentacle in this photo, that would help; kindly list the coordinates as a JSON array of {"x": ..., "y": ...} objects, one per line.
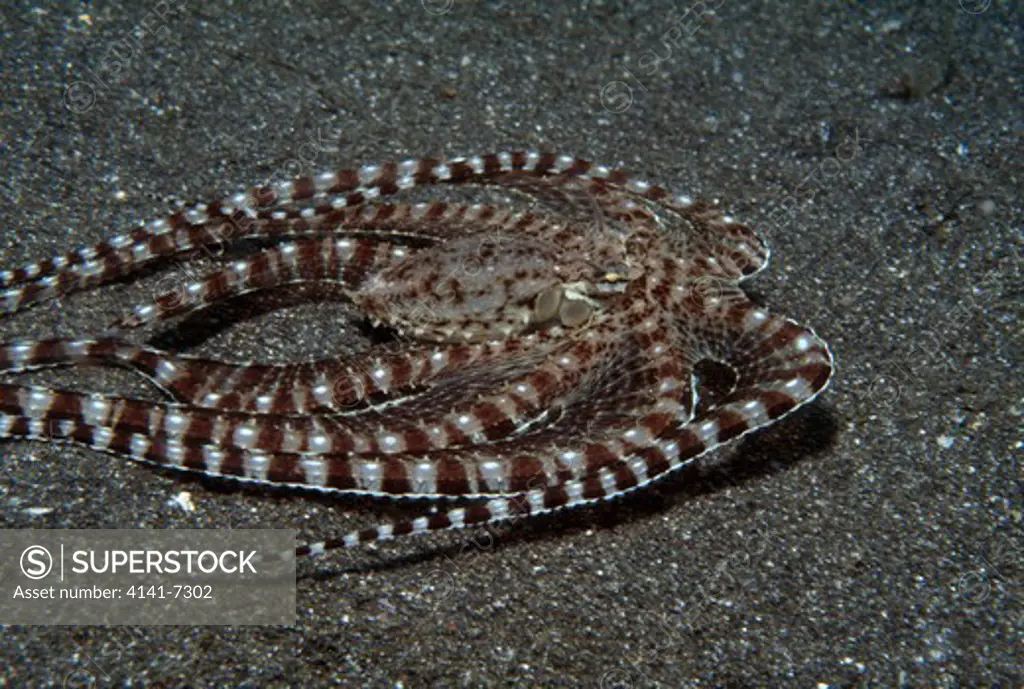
[
  {"x": 119, "y": 257},
  {"x": 295, "y": 451},
  {"x": 194, "y": 439},
  {"x": 720, "y": 245},
  {"x": 418, "y": 430},
  {"x": 624, "y": 411},
  {"x": 127, "y": 254},
  {"x": 723, "y": 247},
  {"x": 173, "y": 373},
  {"x": 347, "y": 385},
  {"x": 84, "y": 420},
  {"x": 310, "y": 201},
  {"x": 188, "y": 379},
  {"x": 617, "y": 472},
  {"x": 349, "y": 187},
  {"x": 551, "y": 467},
  {"x": 324, "y": 386},
  {"x": 342, "y": 261},
  {"x": 778, "y": 364},
  {"x": 174, "y": 234}
]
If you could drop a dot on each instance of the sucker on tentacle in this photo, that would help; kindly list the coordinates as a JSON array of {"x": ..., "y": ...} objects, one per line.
[{"x": 540, "y": 359}]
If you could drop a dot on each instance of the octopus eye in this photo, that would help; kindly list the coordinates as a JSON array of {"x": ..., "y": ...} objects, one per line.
[
  {"x": 545, "y": 307},
  {"x": 614, "y": 280},
  {"x": 574, "y": 312},
  {"x": 615, "y": 270}
]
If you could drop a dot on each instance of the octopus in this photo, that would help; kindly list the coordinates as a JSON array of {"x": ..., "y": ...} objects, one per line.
[{"x": 577, "y": 339}]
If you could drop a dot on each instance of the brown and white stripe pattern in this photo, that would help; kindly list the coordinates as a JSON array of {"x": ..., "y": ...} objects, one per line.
[{"x": 528, "y": 419}]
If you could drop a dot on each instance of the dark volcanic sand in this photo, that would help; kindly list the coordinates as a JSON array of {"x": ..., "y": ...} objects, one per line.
[{"x": 873, "y": 540}]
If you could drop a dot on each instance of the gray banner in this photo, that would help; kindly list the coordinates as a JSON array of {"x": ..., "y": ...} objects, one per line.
[{"x": 147, "y": 576}]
